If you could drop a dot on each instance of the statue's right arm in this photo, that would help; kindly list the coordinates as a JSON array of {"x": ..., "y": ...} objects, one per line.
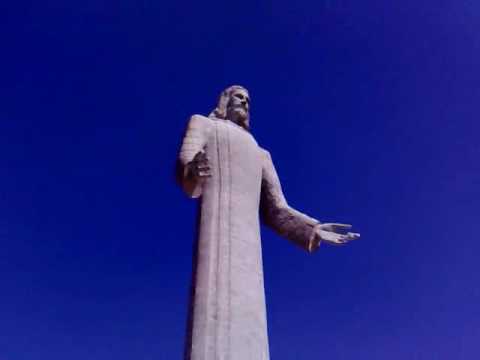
[{"x": 194, "y": 142}]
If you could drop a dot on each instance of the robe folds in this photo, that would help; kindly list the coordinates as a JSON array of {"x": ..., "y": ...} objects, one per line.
[{"x": 228, "y": 314}]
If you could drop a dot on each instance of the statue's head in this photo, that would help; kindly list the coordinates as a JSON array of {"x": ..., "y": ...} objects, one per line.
[{"x": 234, "y": 105}]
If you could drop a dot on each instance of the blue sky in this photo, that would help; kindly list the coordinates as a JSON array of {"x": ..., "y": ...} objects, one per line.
[{"x": 369, "y": 109}]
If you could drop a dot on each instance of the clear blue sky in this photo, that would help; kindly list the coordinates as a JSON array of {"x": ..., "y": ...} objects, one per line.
[{"x": 370, "y": 110}]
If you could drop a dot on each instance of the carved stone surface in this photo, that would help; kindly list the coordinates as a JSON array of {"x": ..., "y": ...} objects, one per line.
[{"x": 221, "y": 163}]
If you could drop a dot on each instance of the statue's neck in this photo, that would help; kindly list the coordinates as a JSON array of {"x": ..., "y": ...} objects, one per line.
[{"x": 239, "y": 124}]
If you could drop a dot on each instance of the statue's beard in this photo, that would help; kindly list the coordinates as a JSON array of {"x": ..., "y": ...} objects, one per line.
[{"x": 239, "y": 115}]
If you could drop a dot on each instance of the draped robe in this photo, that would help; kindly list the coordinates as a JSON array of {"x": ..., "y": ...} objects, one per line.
[{"x": 228, "y": 314}]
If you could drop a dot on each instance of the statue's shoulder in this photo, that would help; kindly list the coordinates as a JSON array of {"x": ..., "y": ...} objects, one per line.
[
  {"x": 200, "y": 122},
  {"x": 265, "y": 154},
  {"x": 197, "y": 118}
]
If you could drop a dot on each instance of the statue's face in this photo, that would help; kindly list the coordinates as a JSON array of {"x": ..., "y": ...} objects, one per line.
[{"x": 238, "y": 107}]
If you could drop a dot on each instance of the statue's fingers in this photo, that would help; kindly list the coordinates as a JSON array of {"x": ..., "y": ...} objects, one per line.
[
  {"x": 353, "y": 236},
  {"x": 203, "y": 161},
  {"x": 204, "y": 174},
  {"x": 339, "y": 239},
  {"x": 335, "y": 227},
  {"x": 200, "y": 156},
  {"x": 204, "y": 170},
  {"x": 204, "y": 164},
  {"x": 336, "y": 242},
  {"x": 349, "y": 237},
  {"x": 338, "y": 226}
]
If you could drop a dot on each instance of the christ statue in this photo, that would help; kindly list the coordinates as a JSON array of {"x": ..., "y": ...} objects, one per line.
[{"x": 235, "y": 179}]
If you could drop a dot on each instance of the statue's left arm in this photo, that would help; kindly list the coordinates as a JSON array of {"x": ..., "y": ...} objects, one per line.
[
  {"x": 303, "y": 230},
  {"x": 278, "y": 215}
]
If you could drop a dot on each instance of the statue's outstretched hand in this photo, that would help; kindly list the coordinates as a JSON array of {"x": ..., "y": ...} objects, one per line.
[
  {"x": 199, "y": 168},
  {"x": 333, "y": 233}
]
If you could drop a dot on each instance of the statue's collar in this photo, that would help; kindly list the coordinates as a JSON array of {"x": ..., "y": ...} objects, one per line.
[{"x": 230, "y": 122}]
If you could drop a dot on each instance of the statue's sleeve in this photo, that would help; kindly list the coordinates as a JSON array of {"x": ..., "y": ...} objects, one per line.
[
  {"x": 194, "y": 141},
  {"x": 279, "y": 216}
]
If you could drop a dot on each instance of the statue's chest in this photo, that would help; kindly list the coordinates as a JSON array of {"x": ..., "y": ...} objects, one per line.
[{"x": 236, "y": 155}]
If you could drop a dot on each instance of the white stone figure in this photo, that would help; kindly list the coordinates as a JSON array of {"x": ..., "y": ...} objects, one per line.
[{"x": 221, "y": 163}]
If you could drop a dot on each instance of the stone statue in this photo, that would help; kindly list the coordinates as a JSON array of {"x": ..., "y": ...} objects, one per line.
[{"x": 221, "y": 163}]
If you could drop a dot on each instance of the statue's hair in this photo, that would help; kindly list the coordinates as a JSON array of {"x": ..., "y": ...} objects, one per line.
[{"x": 220, "y": 112}]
